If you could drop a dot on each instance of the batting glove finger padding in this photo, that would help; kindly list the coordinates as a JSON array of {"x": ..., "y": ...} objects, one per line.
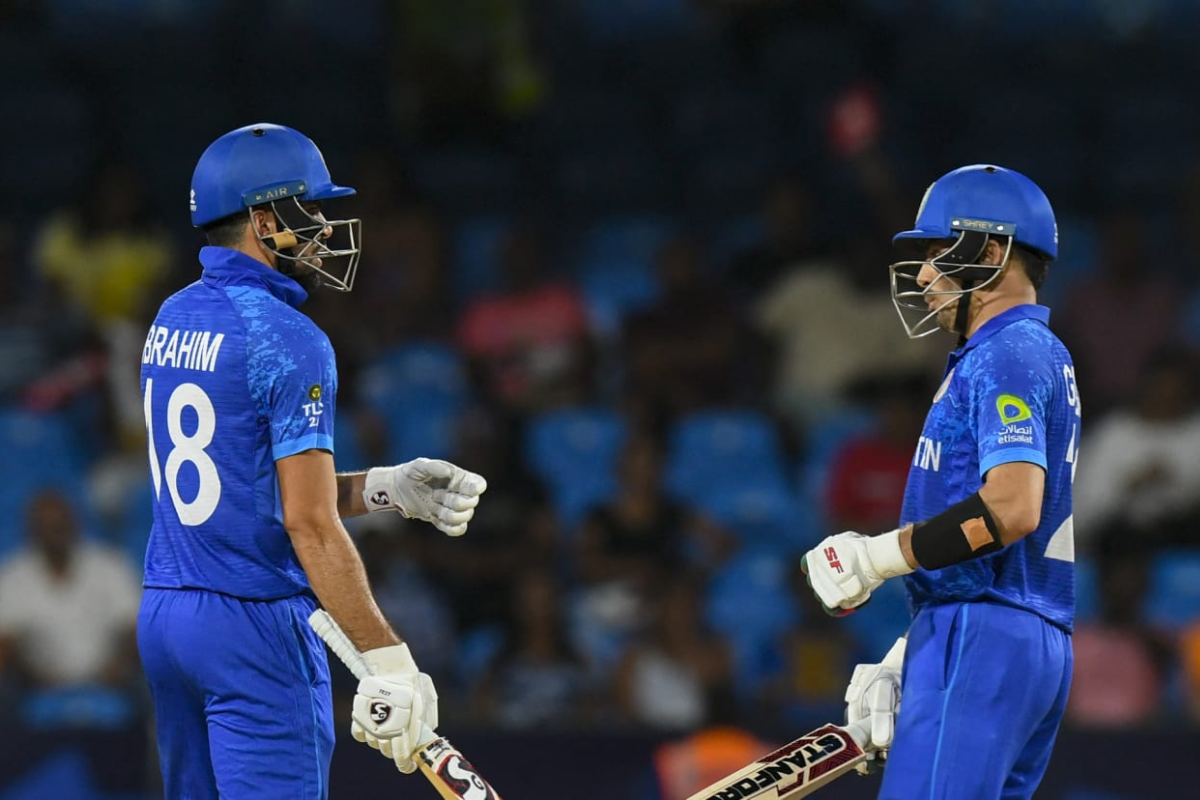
[{"x": 430, "y": 490}]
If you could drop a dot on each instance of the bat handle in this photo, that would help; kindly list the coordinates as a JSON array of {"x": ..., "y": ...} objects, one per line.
[{"x": 343, "y": 648}]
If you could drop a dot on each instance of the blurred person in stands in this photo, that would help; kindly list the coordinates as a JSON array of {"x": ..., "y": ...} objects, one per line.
[
  {"x": 1139, "y": 487},
  {"x": 49, "y": 350},
  {"x": 690, "y": 349},
  {"x": 867, "y": 476},
  {"x": 108, "y": 256},
  {"x": 787, "y": 215},
  {"x": 519, "y": 532},
  {"x": 529, "y": 342},
  {"x": 1128, "y": 284},
  {"x": 678, "y": 672},
  {"x": 1122, "y": 668},
  {"x": 805, "y": 669},
  {"x": 240, "y": 393},
  {"x": 537, "y": 679},
  {"x": 67, "y": 606}
]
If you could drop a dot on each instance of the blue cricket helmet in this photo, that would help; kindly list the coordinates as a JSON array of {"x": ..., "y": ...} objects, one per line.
[
  {"x": 258, "y": 164},
  {"x": 991, "y": 199}
]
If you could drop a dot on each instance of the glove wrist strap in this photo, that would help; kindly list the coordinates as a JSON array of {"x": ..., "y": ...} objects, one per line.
[
  {"x": 393, "y": 659},
  {"x": 886, "y": 555},
  {"x": 379, "y": 493}
]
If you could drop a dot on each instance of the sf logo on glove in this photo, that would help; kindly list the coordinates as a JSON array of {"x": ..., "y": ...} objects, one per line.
[
  {"x": 832, "y": 557},
  {"x": 380, "y": 712}
]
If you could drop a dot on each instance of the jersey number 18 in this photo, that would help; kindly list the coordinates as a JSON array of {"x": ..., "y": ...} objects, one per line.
[{"x": 186, "y": 449}]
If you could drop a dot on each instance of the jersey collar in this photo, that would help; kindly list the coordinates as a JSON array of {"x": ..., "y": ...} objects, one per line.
[
  {"x": 1003, "y": 320},
  {"x": 225, "y": 267}
]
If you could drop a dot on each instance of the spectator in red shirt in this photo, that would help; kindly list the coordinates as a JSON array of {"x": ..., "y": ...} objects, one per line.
[
  {"x": 868, "y": 473},
  {"x": 529, "y": 342}
]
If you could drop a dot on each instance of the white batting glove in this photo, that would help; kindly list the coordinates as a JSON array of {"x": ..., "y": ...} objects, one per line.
[
  {"x": 395, "y": 709},
  {"x": 844, "y": 569},
  {"x": 873, "y": 700},
  {"x": 427, "y": 489}
]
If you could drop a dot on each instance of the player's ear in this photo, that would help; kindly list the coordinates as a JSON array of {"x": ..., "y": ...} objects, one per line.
[
  {"x": 263, "y": 221},
  {"x": 993, "y": 252}
]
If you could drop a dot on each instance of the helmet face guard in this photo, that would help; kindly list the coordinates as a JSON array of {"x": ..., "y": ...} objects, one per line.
[
  {"x": 330, "y": 248},
  {"x": 962, "y": 273}
]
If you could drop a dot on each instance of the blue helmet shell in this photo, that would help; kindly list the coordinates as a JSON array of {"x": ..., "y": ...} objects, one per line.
[
  {"x": 988, "y": 198},
  {"x": 258, "y": 164}
]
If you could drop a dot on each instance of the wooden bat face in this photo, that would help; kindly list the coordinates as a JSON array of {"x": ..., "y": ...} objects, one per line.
[{"x": 793, "y": 771}]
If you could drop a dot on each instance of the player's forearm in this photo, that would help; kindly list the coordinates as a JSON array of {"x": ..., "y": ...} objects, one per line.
[
  {"x": 337, "y": 577},
  {"x": 350, "y": 487}
]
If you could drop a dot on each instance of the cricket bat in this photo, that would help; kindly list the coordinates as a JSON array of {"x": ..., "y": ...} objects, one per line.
[
  {"x": 795, "y": 770},
  {"x": 439, "y": 761}
]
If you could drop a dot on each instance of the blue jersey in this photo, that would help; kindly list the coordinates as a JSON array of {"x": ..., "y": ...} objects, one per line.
[
  {"x": 1009, "y": 395},
  {"x": 233, "y": 379}
]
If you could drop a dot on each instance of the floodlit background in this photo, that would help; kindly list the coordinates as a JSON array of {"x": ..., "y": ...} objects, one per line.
[{"x": 626, "y": 258}]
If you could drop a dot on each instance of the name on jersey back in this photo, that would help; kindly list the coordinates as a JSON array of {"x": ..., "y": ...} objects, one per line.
[{"x": 182, "y": 349}]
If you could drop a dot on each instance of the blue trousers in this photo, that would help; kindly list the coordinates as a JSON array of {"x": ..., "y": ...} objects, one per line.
[
  {"x": 984, "y": 688},
  {"x": 241, "y": 696}
]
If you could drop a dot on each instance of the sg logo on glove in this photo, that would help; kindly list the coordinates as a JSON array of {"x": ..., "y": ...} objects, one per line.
[{"x": 380, "y": 712}]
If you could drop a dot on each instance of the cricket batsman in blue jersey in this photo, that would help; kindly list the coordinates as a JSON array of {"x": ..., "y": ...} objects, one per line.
[
  {"x": 985, "y": 542},
  {"x": 239, "y": 390}
]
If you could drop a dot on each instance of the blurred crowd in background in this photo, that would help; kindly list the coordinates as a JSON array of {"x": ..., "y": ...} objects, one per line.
[{"x": 628, "y": 261}]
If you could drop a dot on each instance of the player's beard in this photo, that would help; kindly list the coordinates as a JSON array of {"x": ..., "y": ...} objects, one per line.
[{"x": 308, "y": 278}]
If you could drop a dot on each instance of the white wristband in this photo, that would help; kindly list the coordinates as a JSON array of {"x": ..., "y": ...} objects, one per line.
[
  {"x": 390, "y": 660},
  {"x": 377, "y": 490},
  {"x": 886, "y": 556}
]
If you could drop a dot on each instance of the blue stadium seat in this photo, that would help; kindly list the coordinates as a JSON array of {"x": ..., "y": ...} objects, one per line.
[
  {"x": 63, "y": 774},
  {"x": 1087, "y": 589},
  {"x": 613, "y": 288},
  {"x": 475, "y": 257},
  {"x": 415, "y": 375},
  {"x": 734, "y": 235},
  {"x": 574, "y": 451},
  {"x": 40, "y": 451},
  {"x": 418, "y": 390},
  {"x": 764, "y": 515},
  {"x": 881, "y": 621},
  {"x": 636, "y": 238},
  {"x": 1173, "y": 600},
  {"x": 750, "y": 604},
  {"x": 347, "y": 450},
  {"x": 709, "y": 450}
]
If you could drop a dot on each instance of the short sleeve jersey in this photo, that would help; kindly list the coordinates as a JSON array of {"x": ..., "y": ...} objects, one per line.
[
  {"x": 234, "y": 378},
  {"x": 1009, "y": 395}
]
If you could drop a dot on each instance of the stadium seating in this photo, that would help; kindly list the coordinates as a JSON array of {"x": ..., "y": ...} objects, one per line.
[
  {"x": 575, "y": 452},
  {"x": 1174, "y": 596}
]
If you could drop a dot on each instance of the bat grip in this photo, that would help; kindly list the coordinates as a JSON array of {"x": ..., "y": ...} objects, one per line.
[{"x": 328, "y": 629}]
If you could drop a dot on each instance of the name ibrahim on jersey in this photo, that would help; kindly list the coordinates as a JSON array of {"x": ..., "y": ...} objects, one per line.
[{"x": 985, "y": 542}]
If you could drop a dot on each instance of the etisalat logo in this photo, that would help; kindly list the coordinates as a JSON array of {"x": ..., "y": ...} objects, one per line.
[{"x": 1013, "y": 410}]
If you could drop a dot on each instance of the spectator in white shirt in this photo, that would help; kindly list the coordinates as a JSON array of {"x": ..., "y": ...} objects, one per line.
[
  {"x": 1138, "y": 480},
  {"x": 68, "y": 608}
]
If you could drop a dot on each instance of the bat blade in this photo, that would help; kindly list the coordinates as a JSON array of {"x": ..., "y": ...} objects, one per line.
[
  {"x": 793, "y": 771},
  {"x": 439, "y": 761},
  {"x": 451, "y": 774}
]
